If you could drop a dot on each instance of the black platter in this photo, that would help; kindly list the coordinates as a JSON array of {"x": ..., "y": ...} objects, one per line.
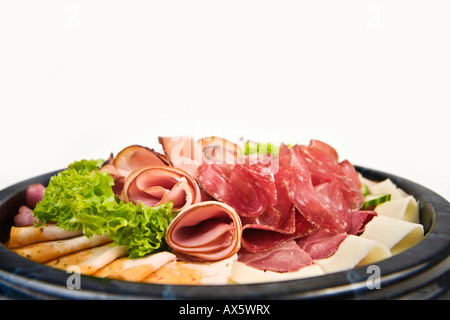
[{"x": 421, "y": 272}]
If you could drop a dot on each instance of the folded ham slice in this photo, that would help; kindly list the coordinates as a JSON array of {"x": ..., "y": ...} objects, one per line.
[
  {"x": 188, "y": 154},
  {"x": 130, "y": 159},
  {"x": 155, "y": 185},
  {"x": 205, "y": 231}
]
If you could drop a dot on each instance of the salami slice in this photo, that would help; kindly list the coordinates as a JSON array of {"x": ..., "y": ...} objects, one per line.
[
  {"x": 248, "y": 188},
  {"x": 325, "y": 169},
  {"x": 324, "y": 206},
  {"x": 260, "y": 235}
]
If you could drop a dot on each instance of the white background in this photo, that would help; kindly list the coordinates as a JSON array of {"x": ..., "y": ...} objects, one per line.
[{"x": 82, "y": 79}]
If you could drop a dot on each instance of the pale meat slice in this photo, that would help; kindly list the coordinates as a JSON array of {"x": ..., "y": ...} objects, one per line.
[
  {"x": 155, "y": 185},
  {"x": 49, "y": 250},
  {"x": 206, "y": 231},
  {"x": 183, "y": 152},
  {"x": 219, "y": 150},
  {"x": 191, "y": 273},
  {"x": 135, "y": 157},
  {"x": 130, "y": 159},
  {"x": 134, "y": 269},
  {"x": 188, "y": 154},
  {"x": 90, "y": 260},
  {"x": 21, "y": 236}
]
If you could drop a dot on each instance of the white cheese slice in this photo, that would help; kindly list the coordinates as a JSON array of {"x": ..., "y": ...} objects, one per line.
[
  {"x": 405, "y": 209},
  {"x": 244, "y": 274},
  {"x": 354, "y": 252},
  {"x": 397, "y": 235},
  {"x": 387, "y": 186}
]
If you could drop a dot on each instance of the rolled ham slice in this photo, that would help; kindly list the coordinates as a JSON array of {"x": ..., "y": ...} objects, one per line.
[
  {"x": 130, "y": 159},
  {"x": 183, "y": 152},
  {"x": 155, "y": 185},
  {"x": 205, "y": 231},
  {"x": 134, "y": 157},
  {"x": 188, "y": 154}
]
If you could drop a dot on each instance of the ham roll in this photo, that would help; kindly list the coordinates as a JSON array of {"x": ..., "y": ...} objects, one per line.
[
  {"x": 155, "y": 185},
  {"x": 205, "y": 231},
  {"x": 130, "y": 159}
]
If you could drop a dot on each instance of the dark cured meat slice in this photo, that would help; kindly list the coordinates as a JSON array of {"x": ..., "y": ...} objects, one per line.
[
  {"x": 328, "y": 210},
  {"x": 359, "y": 220},
  {"x": 312, "y": 190},
  {"x": 321, "y": 244},
  {"x": 261, "y": 236},
  {"x": 324, "y": 168},
  {"x": 325, "y": 148},
  {"x": 287, "y": 258},
  {"x": 245, "y": 187}
]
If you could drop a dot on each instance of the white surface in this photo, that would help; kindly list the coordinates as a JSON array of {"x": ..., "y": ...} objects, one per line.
[{"x": 81, "y": 79}]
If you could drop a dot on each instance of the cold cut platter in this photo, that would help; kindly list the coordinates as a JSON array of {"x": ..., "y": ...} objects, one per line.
[{"x": 201, "y": 213}]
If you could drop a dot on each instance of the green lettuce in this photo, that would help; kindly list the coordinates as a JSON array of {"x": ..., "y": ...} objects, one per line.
[
  {"x": 82, "y": 197},
  {"x": 261, "y": 148}
]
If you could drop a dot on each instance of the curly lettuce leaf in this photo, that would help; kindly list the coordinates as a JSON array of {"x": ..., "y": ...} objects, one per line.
[{"x": 82, "y": 197}]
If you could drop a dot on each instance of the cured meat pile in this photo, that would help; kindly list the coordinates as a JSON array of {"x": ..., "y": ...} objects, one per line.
[{"x": 279, "y": 212}]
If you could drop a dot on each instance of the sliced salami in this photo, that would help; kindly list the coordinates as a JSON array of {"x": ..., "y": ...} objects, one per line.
[
  {"x": 248, "y": 188},
  {"x": 261, "y": 235},
  {"x": 324, "y": 206}
]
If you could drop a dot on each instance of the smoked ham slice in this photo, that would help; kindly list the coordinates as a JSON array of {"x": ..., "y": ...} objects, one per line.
[
  {"x": 183, "y": 152},
  {"x": 49, "y": 250},
  {"x": 130, "y": 159},
  {"x": 188, "y": 154},
  {"x": 205, "y": 231},
  {"x": 156, "y": 185},
  {"x": 22, "y": 236}
]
